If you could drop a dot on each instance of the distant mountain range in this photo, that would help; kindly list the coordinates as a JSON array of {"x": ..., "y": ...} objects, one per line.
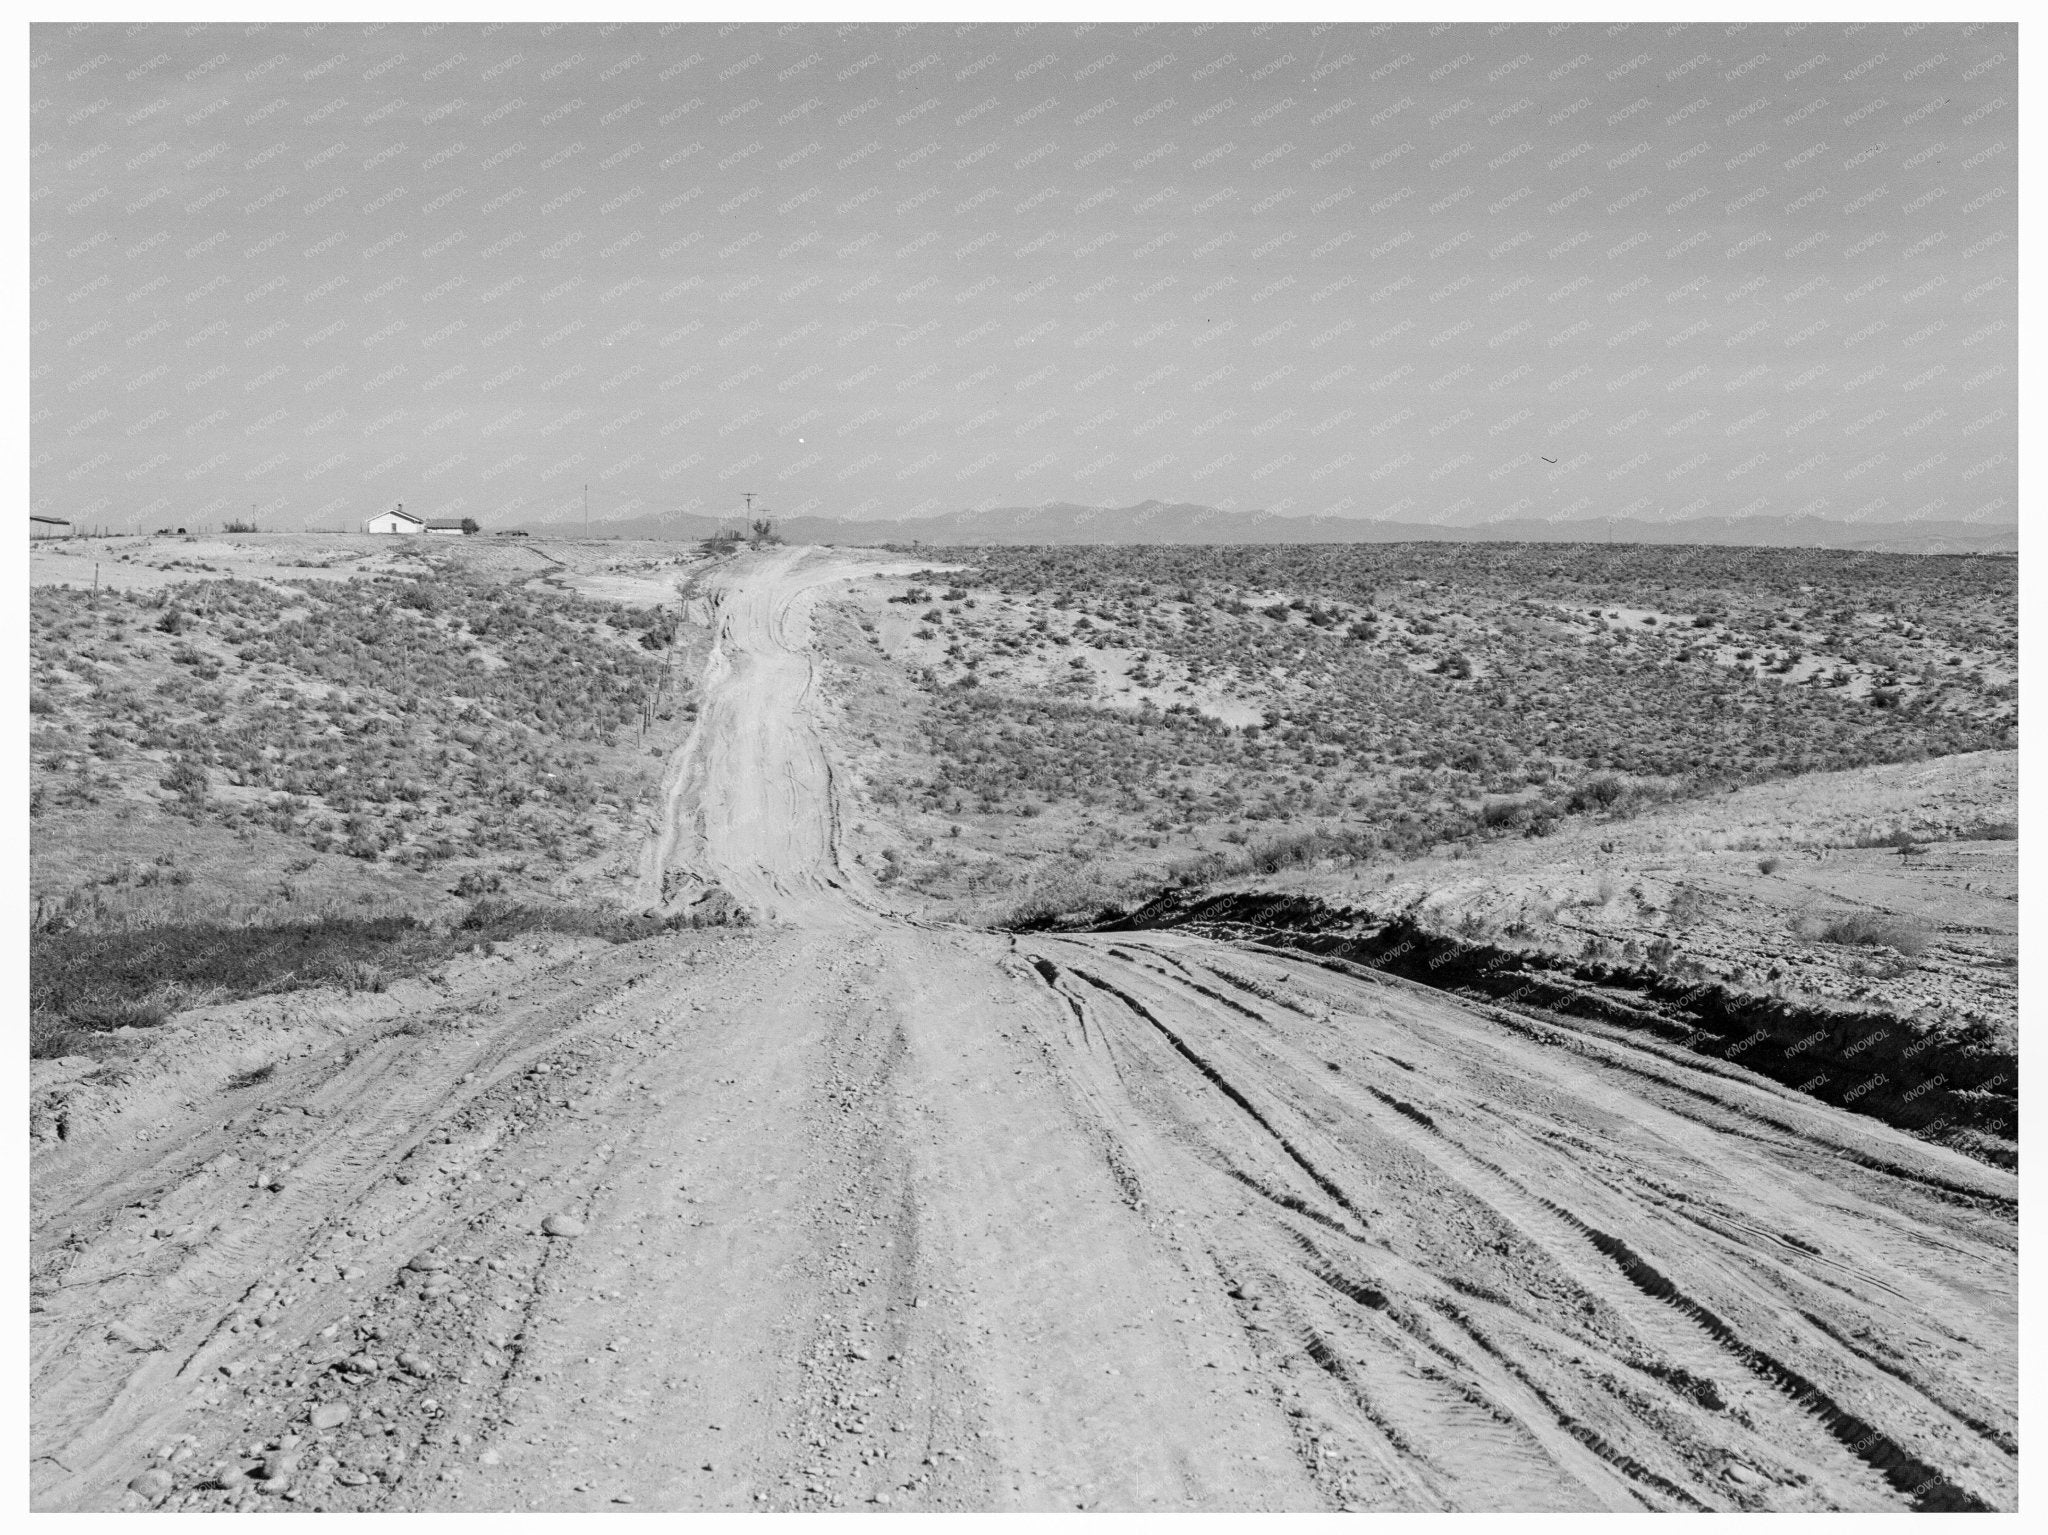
[{"x": 1158, "y": 522}]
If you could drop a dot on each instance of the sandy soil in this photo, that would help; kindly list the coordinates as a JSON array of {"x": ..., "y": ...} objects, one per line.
[
  {"x": 843, "y": 1210},
  {"x": 908, "y": 639},
  {"x": 1742, "y": 883}
]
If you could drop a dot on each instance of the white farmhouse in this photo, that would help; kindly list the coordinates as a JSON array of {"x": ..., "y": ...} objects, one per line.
[{"x": 397, "y": 520}]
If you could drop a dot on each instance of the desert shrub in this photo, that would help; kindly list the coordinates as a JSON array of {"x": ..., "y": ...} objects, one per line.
[
  {"x": 488, "y": 912},
  {"x": 91, "y": 981},
  {"x": 1990, "y": 831},
  {"x": 1688, "y": 906},
  {"x": 185, "y": 777},
  {"x": 362, "y": 975},
  {"x": 1768, "y": 865},
  {"x": 1500, "y": 814},
  {"x": 1875, "y": 930},
  {"x": 104, "y": 1016},
  {"x": 1186, "y": 873},
  {"x": 1473, "y": 926},
  {"x": 1601, "y": 792},
  {"x": 84, "y": 974},
  {"x": 1899, "y": 840},
  {"x": 51, "y": 1036},
  {"x": 616, "y": 928},
  {"x": 1297, "y": 849},
  {"x": 1074, "y": 892},
  {"x": 254, "y": 1077},
  {"x": 476, "y": 882}
]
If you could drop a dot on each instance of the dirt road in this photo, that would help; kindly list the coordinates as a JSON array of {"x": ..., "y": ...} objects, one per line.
[
  {"x": 857, "y": 1212},
  {"x": 750, "y": 801}
]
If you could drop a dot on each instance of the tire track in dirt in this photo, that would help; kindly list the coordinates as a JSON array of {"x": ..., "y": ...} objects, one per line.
[
  {"x": 1449, "y": 1404},
  {"x": 1766, "y": 1252},
  {"x": 1930, "y": 1491},
  {"x": 367, "y": 1118},
  {"x": 1668, "y": 1357}
]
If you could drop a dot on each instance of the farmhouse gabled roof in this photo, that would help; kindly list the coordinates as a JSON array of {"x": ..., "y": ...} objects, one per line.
[
  {"x": 55, "y": 522},
  {"x": 399, "y": 511},
  {"x": 445, "y": 522}
]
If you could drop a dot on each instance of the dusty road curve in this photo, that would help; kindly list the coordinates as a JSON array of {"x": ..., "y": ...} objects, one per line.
[{"x": 873, "y": 1214}]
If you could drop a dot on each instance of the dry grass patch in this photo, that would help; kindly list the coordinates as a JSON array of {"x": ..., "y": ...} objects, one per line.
[{"x": 1869, "y": 930}]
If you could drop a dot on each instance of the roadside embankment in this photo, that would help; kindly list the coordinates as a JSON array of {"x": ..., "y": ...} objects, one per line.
[{"x": 1955, "y": 1085}]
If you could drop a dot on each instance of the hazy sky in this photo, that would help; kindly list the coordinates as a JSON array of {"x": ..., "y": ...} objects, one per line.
[{"x": 878, "y": 271}]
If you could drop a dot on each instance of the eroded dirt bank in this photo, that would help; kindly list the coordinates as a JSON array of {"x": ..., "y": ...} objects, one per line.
[
  {"x": 840, "y": 1210},
  {"x": 1957, "y": 1087}
]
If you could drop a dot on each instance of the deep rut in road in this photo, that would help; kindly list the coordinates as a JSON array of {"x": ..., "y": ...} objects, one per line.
[{"x": 844, "y": 1210}]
